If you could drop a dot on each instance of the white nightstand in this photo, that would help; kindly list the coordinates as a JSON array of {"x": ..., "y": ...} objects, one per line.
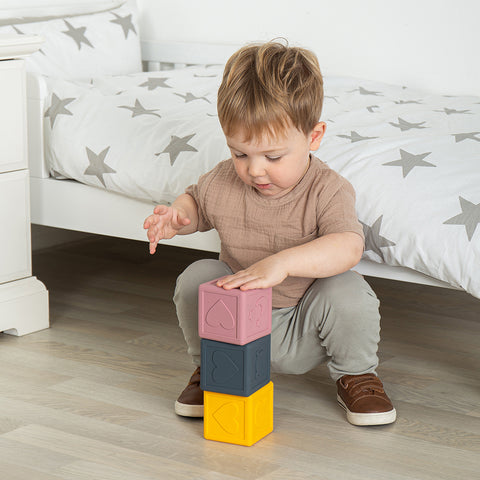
[{"x": 23, "y": 298}]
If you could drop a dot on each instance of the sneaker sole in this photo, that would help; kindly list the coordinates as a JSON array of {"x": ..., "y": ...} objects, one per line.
[
  {"x": 185, "y": 410},
  {"x": 367, "y": 419}
]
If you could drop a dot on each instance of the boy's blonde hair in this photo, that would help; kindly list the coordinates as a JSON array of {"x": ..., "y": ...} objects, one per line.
[{"x": 267, "y": 88}]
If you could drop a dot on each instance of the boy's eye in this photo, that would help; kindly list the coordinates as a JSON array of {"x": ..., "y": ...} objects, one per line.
[
  {"x": 239, "y": 155},
  {"x": 273, "y": 159}
]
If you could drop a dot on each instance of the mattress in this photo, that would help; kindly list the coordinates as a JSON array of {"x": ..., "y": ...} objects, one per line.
[{"x": 412, "y": 157}]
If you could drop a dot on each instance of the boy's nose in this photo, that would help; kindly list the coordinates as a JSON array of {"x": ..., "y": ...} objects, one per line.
[{"x": 256, "y": 168}]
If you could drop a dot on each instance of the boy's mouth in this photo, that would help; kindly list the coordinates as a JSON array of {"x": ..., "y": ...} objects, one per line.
[{"x": 262, "y": 186}]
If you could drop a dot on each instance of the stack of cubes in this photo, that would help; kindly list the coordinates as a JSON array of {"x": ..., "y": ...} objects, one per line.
[{"x": 235, "y": 328}]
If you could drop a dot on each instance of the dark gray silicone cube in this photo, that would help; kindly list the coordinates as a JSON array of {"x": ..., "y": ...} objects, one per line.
[{"x": 235, "y": 369}]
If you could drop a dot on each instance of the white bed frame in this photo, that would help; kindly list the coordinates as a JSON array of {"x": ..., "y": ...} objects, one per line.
[{"x": 62, "y": 203}]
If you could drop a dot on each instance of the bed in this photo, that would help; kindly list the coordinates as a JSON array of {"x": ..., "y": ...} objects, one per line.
[{"x": 114, "y": 132}]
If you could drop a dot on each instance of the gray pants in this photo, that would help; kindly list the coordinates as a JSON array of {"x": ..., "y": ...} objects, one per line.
[{"x": 337, "y": 321}]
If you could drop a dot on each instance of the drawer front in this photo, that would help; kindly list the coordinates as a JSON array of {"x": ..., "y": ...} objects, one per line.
[
  {"x": 13, "y": 155},
  {"x": 15, "y": 246}
]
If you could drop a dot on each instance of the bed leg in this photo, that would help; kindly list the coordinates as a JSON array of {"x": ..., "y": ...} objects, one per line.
[{"x": 23, "y": 306}]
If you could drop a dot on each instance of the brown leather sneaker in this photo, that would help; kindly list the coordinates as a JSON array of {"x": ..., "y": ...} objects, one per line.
[
  {"x": 365, "y": 400},
  {"x": 190, "y": 401}
]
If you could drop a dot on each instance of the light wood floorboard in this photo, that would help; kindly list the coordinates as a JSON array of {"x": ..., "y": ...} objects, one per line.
[{"x": 92, "y": 397}]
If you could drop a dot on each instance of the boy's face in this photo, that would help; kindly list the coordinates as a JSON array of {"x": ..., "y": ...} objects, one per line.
[{"x": 274, "y": 166}]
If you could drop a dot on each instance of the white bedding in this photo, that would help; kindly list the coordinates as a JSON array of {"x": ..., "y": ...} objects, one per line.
[{"x": 413, "y": 158}]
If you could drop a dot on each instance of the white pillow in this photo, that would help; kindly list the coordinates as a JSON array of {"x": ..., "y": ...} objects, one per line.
[
  {"x": 147, "y": 135},
  {"x": 83, "y": 46},
  {"x": 40, "y": 9}
]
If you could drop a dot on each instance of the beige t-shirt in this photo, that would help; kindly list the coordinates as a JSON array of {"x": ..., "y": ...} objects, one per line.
[{"x": 252, "y": 227}]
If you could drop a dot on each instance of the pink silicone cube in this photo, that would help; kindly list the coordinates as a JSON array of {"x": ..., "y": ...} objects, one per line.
[{"x": 233, "y": 316}]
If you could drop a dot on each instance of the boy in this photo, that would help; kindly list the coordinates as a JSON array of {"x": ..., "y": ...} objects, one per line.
[{"x": 287, "y": 221}]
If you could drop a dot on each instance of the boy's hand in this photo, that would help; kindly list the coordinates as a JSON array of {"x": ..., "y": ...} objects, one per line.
[
  {"x": 263, "y": 274},
  {"x": 165, "y": 222}
]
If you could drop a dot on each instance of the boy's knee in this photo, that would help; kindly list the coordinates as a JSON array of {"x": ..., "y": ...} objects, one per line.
[
  {"x": 345, "y": 304},
  {"x": 197, "y": 273},
  {"x": 351, "y": 293}
]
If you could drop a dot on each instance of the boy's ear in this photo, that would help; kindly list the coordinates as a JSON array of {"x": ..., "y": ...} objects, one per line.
[{"x": 316, "y": 135}]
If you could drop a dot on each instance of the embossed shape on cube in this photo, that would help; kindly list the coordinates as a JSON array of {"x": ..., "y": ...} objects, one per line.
[
  {"x": 233, "y": 316},
  {"x": 238, "y": 420},
  {"x": 235, "y": 369}
]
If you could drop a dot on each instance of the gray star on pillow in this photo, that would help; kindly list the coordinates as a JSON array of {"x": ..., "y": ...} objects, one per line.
[
  {"x": 190, "y": 97},
  {"x": 460, "y": 137},
  {"x": 138, "y": 109},
  {"x": 178, "y": 145},
  {"x": 403, "y": 125},
  {"x": 57, "y": 107},
  {"x": 355, "y": 137},
  {"x": 372, "y": 107},
  {"x": 373, "y": 240},
  {"x": 409, "y": 161},
  {"x": 78, "y": 35},
  {"x": 152, "y": 83},
  {"x": 470, "y": 217},
  {"x": 97, "y": 166},
  {"x": 125, "y": 22}
]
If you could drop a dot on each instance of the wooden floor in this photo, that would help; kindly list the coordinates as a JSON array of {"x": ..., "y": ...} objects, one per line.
[{"x": 92, "y": 397}]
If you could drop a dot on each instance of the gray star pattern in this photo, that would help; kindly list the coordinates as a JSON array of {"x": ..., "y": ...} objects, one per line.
[
  {"x": 405, "y": 102},
  {"x": 373, "y": 240},
  {"x": 78, "y": 35},
  {"x": 403, "y": 125},
  {"x": 470, "y": 217},
  {"x": 152, "y": 83},
  {"x": 364, "y": 91},
  {"x": 178, "y": 145},
  {"x": 333, "y": 97},
  {"x": 190, "y": 97},
  {"x": 372, "y": 107},
  {"x": 17, "y": 30},
  {"x": 355, "y": 137},
  {"x": 451, "y": 111},
  {"x": 139, "y": 109},
  {"x": 57, "y": 107},
  {"x": 125, "y": 22},
  {"x": 409, "y": 161},
  {"x": 97, "y": 166},
  {"x": 460, "y": 137}
]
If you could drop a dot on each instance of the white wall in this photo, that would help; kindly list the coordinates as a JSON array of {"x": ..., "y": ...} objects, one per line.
[{"x": 432, "y": 44}]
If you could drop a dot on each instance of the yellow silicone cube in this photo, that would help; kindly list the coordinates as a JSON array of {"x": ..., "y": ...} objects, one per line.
[{"x": 239, "y": 420}]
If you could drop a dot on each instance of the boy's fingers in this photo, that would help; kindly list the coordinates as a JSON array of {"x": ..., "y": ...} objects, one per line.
[
  {"x": 150, "y": 220},
  {"x": 233, "y": 281},
  {"x": 160, "y": 209}
]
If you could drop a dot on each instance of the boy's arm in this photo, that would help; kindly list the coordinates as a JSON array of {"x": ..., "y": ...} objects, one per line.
[
  {"x": 326, "y": 256},
  {"x": 181, "y": 218}
]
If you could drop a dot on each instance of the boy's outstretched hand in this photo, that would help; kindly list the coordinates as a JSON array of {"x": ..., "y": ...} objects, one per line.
[{"x": 164, "y": 223}]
